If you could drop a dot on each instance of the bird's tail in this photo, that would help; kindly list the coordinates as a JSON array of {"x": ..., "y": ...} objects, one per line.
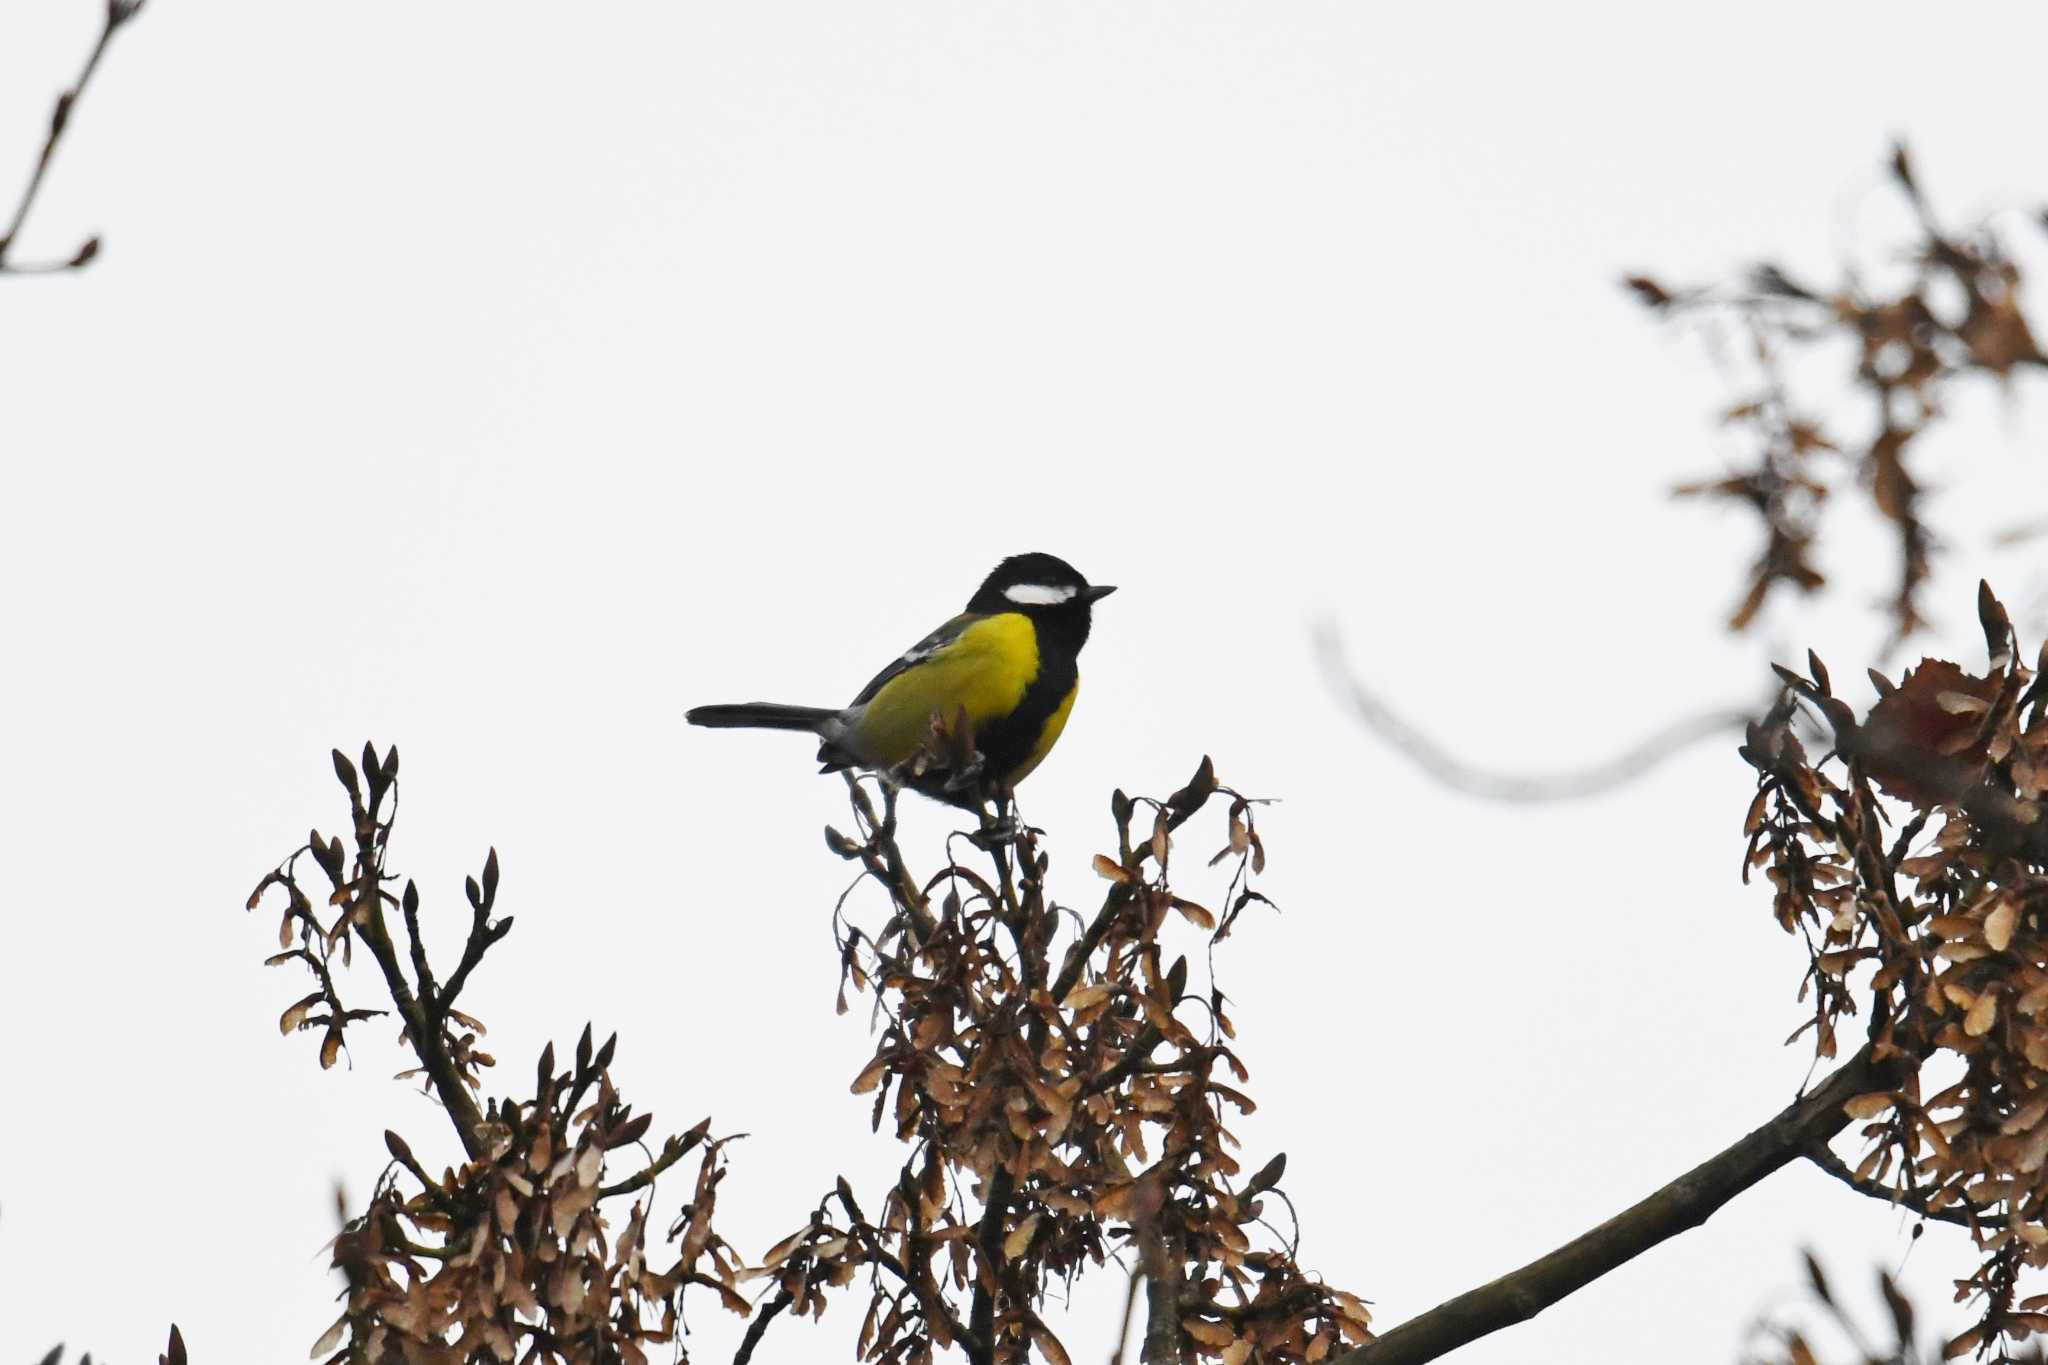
[{"x": 760, "y": 715}]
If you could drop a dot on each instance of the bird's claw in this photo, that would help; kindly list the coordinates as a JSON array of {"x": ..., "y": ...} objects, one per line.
[
  {"x": 997, "y": 831},
  {"x": 964, "y": 777},
  {"x": 1000, "y": 831}
]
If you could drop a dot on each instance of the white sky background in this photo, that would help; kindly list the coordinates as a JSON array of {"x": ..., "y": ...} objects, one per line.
[{"x": 500, "y": 381}]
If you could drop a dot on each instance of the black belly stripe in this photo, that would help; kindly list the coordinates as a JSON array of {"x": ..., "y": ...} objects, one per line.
[{"x": 1006, "y": 744}]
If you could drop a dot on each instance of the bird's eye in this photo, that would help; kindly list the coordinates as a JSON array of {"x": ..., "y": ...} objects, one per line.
[{"x": 1039, "y": 594}]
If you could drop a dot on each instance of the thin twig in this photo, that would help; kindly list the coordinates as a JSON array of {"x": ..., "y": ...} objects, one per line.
[
  {"x": 483, "y": 933},
  {"x": 916, "y": 1276},
  {"x": 422, "y": 1025},
  {"x": 1566, "y": 785},
  {"x": 884, "y": 860},
  {"x": 675, "y": 1151},
  {"x": 1123, "y": 1331},
  {"x": 118, "y": 12},
  {"x": 1823, "y": 1156},
  {"x": 422, "y": 970}
]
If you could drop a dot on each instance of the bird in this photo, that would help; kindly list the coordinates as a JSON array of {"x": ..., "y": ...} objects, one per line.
[{"x": 1008, "y": 664}]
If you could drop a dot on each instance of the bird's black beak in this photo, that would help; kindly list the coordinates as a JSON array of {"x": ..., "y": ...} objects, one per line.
[{"x": 1098, "y": 592}]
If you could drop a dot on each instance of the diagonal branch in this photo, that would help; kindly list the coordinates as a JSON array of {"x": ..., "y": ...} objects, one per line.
[
  {"x": 1683, "y": 1204},
  {"x": 759, "y": 1326},
  {"x": 1565, "y": 785},
  {"x": 118, "y": 12}
]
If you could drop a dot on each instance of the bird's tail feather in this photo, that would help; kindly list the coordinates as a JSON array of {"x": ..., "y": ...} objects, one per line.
[{"x": 760, "y": 715}]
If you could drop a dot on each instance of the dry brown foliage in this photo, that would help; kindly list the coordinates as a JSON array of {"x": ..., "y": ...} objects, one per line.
[
  {"x": 526, "y": 1251},
  {"x": 1955, "y": 317},
  {"x": 1913, "y": 858},
  {"x": 1062, "y": 1089}
]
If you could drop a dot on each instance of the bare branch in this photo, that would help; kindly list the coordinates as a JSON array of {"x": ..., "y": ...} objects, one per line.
[
  {"x": 118, "y": 12},
  {"x": 675, "y": 1150},
  {"x": 981, "y": 1335},
  {"x": 1162, "y": 1263},
  {"x": 1823, "y": 1156},
  {"x": 759, "y": 1327},
  {"x": 429, "y": 1040},
  {"x": 1683, "y": 1204},
  {"x": 483, "y": 932},
  {"x": 1565, "y": 785}
]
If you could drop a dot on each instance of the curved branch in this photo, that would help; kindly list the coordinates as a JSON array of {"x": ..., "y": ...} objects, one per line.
[
  {"x": 1824, "y": 1157},
  {"x": 674, "y": 1150},
  {"x": 1683, "y": 1204},
  {"x": 1567, "y": 785}
]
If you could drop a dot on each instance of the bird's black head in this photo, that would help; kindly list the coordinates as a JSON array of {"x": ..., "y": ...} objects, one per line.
[{"x": 1045, "y": 588}]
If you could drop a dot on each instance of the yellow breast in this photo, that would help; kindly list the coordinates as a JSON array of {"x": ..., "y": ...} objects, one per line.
[{"x": 986, "y": 670}]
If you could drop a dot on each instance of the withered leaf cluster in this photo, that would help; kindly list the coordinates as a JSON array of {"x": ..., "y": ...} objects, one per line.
[
  {"x": 1063, "y": 1088},
  {"x": 1913, "y": 857},
  {"x": 1956, "y": 316},
  {"x": 523, "y": 1252},
  {"x": 1065, "y": 1094},
  {"x": 513, "y": 1256}
]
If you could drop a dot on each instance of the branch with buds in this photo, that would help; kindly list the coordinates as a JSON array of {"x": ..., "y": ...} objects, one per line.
[{"x": 117, "y": 13}]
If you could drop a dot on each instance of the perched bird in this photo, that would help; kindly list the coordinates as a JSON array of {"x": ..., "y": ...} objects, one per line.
[{"x": 1008, "y": 662}]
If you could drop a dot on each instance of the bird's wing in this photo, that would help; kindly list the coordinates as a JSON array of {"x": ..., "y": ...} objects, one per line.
[{"x": 917, "y": 654}]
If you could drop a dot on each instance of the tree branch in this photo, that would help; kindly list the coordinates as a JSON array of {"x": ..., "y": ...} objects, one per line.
[
  {"x": 759, "y": 1326},
  {"x": 673, "y": 1151},
  {"x": 424, "y": 1030},
  {"x": 1823, "y": 1156},
  {"x": 483, "y": 933},
  {"x": 914, "y": 1276},
  {"x": 424, "y": 1027},
  {"x": 981, "y": 1319},
  {"x": 1566, "y": 785},
  {"x": 118, "y": 12},
  {"x": 1683, "y": 1204},
  {"x": 1162, "y": 1260}
]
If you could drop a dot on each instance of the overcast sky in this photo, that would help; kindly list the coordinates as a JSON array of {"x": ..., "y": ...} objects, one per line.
[{"x": 500, "y": 380}]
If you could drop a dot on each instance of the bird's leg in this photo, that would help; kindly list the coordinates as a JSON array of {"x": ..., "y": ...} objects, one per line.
[
  {"x": 1018, "y": 828},
  {"x": 998, "y": 830}
]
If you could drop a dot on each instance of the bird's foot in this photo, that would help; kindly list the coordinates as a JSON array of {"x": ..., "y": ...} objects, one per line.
[
  {"x": 998, "y": 831},
  {"x": 963, "y": 777},
  {"x": 1002, "y": 829}
]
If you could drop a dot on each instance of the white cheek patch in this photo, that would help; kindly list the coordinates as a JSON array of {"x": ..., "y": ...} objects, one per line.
[{"x": 1039, "y": 594}]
